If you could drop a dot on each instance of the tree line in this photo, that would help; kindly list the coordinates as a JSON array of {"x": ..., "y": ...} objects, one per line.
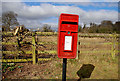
[
  {"x": 9, "y": 21},
  {"x": 106, "y": 26}
]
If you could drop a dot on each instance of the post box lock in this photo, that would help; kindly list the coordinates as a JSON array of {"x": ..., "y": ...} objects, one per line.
[{"x": 68, "y": 32}]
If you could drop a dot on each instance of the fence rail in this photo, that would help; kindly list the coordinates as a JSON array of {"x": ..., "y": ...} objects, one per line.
[
  {"x": 54, "y": 52},
  {"x": 55, "y": 33},
  {"x": 113, "y": 51},
  {"x": 24, "y": 60}
]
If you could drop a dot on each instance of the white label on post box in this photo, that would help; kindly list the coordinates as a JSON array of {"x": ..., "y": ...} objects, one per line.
[{"x": 68, "y": 43}]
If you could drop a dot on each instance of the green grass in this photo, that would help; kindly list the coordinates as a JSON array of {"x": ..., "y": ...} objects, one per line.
[
  {"x": 11, "y": 66},
  {"x": 59, "y": 65},
  {"x": 73, "y": 61}
]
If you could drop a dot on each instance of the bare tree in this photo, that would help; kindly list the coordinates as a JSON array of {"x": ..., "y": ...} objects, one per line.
[
  {"x": 47, "y": 28},
  {"x": 9, "y": 19}
]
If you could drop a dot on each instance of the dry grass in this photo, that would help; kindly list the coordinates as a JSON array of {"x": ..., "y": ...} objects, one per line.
[{"x": 105, "y": 66}]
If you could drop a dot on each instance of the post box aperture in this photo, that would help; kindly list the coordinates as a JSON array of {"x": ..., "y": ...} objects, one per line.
[{"x": 67, "y": 35}]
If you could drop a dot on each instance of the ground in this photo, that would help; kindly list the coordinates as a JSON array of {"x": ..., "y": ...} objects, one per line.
[{"x": 105, "y": 66}]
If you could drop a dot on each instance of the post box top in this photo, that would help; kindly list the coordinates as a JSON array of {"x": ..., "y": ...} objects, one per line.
[
  {"x": 69, "y": 17},
  {"x": 68, "y": 22}
]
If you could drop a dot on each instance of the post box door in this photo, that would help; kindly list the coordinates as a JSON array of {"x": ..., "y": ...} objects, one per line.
[{"x": 67, "y": 45}]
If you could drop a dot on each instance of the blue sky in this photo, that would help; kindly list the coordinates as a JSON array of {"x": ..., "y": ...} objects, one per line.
[
  {"x": 36, "y": 14},
  {"x": 114, "y": 5}
]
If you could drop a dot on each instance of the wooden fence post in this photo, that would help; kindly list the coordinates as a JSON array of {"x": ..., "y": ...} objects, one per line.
[
  {"x": 33, "y": 48},
  {"x": 18, "y": 46},
  {"x": 113, "y": 45}
]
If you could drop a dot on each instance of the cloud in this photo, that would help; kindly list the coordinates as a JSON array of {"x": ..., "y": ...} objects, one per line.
[
  {"x": 95, "y": 4},
  {"x": 74, "y": 0},
  {"x": 60, "y": 0},
  {"x": 0, "y": 8},
  {"x": 30, "y": 23},
  {"x": 11, "y": 0},
  {"x": 98, "y": 16},
  {"x": 34, "y": 16},
  {"x": 111, "y": 0}
]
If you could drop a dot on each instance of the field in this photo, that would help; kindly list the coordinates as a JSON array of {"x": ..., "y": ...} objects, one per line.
[{"x": 93, "y": 50}]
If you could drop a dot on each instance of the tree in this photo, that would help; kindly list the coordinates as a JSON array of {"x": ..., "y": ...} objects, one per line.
[
  {"x": 93, "y": 28},
  {"x": 116, "y": 27},
  {"x": 106, "y": 26},
  {"x": 20, "y": 30},
  {"x": 79, "y": 28},
  {"x": 47, "y": 28},
  {"x": 84, "y": 26},
  {"x": 9, "y": 19},
  {"x": 85, "y": 29},
  {"x": 106, "y": 23}
]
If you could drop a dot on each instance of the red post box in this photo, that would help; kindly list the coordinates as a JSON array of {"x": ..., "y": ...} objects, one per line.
[{"x": 67, "y": 36}]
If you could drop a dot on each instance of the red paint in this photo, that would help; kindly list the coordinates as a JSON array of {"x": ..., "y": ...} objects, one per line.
[{"x": 68, "y": 26}]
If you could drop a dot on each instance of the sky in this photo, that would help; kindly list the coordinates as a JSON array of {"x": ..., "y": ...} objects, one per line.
[{"x": 36, "y": 14}]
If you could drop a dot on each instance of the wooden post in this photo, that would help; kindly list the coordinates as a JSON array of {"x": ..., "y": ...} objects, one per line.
[
  {"x": 77, "y": 55},
  {"x": 53, "y": 32},
  {"x": 113, "y": 45},
  {"x": 33, "y": 48},
  {"x": 36, "y": 39},
  {"x": 18, "y": 46}
]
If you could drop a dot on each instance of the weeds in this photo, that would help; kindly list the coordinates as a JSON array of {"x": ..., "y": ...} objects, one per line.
[
  {"x": 9, "y": 66},
  {"x": 20, "y": 66},
  {"x": 73, "y": 61},
  {"x": 59, "y": 65}
]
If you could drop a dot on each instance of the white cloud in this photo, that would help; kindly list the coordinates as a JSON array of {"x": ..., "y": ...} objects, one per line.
[
  {"x": 32, "y": 16},
  {"x": 98, "y": 16},
  {"x": 11, "y": 0},
  {"x": 95, "y": 4},
  {"x": 111, "y": 0},
  {"x": 0, "y": 8},
  {"x": 45, "y": 0},
  {"x": 30, "y": 23},
  {"x": 119, "y": 16},
  {"x": 73, "y": 0},
  {"x": 60, "y": 0}
]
